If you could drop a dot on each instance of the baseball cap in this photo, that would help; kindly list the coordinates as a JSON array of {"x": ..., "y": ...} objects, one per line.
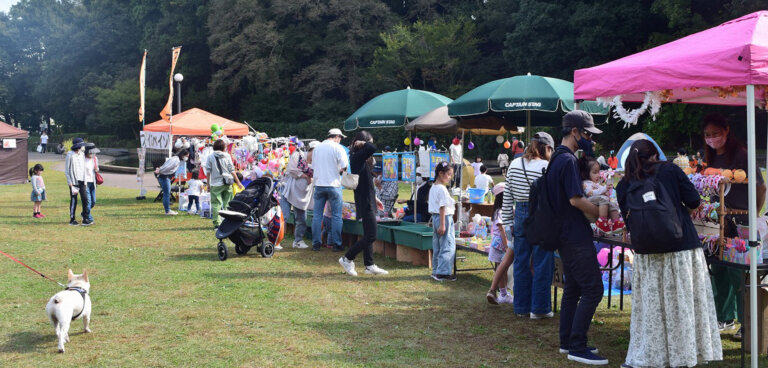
[
  {"x": 544, "y": 137},
  {"x": 336, "y": 131},
  {"x": 580, "y": 119},
  {"x": 499, "y": 188}
]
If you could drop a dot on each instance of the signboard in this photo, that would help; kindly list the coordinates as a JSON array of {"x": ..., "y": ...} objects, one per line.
[
  {"x": 408, "y": 163},
  {"x": 389, "y": 167},
  {"x": 156, "y": 140},
  {"x": 9, "y": 143},
  {"x": 434, "y": 159}
]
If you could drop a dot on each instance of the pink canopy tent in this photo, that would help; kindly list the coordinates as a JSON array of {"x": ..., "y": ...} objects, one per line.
[
  {"x": 724, "y": 65},
  {"x": 700, "y": 68}
]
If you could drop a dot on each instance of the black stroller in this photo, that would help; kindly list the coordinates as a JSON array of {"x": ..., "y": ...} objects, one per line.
[{"x": 242, "y": 219}]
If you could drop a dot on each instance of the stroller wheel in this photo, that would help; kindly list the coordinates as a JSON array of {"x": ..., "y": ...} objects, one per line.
[
  {"x": 241, "y": 250},
  {"x": 222, "y": 251},
  {"x": 267, "y": 250}
]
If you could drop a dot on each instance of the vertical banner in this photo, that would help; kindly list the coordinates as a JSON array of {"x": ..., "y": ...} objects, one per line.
[
  {"x": 141, "y": 151},
  {"x": 167, "y": 111},
  {"x": 408, "y": 163},
  {"x": 434, "y": 159},
  {"x": 389, "y": 167},
  {"x": 142, "y": 83}
]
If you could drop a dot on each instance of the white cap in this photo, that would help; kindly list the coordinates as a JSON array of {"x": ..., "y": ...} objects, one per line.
[
  {"x": 313, "y": 144},
  {"x": 336, "y": 131}
]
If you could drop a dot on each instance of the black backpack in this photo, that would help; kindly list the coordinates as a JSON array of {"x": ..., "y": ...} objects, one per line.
[
  {"x": 543, "y": 225},
  {"x": 652, "y": 218}
]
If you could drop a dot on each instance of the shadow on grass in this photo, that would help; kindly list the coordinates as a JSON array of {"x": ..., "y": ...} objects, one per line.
[{"x": 26, "y": 342}]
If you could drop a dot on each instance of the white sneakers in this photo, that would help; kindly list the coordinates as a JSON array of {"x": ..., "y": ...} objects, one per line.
[
  {"x": 375, "y": 270},
  {"x": 505, "y": 299},
  {"x": 349, "y": 268},
  {"x": 171, "y": 213},
  {"x": 543, "y": 316},
  {"x": 278, "y": 247},
  {"x": 300, "y": 244}
]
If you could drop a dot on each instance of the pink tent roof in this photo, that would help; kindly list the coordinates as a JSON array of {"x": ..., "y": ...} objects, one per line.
[{"x": 733, "y": 54}]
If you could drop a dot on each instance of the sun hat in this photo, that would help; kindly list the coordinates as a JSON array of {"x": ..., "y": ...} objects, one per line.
[
  {"x": 77, "y": 143},
  {"x": 499, "y": 188}
]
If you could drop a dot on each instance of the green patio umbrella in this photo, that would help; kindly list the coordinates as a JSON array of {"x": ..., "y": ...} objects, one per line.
[
  {"x": 394, "y": 109},
  {"x": 523, "y": 99}
]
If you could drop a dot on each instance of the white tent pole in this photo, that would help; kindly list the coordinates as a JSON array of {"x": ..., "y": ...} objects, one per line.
[
  {"x": 461, "y": 180},
  {"x": 752, "y": 188}
]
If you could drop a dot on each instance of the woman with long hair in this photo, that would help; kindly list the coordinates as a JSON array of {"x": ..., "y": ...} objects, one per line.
[
  {"x": 360, "y": 163},
  {"x": 723, "y": 151},
  {"x": 673, "y": 319}
]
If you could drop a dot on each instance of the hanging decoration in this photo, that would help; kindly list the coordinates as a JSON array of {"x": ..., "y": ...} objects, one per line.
[
  {"x": 499, "y": 139},
  {"x": 417, "y": 141},
  {"x": 651, "y": 103},
  {"x": 470, "y": 145},
  {"x": 407, "y": 141},
  {"x": 507, "y": 144},
  {"x": 456, "y": 140}
]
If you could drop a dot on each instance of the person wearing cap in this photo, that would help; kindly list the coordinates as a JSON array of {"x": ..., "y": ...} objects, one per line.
[
  {"x": 91, "y": 168},
  {"x": 583, "y": 282},
  {"x": 329, "y": 160},
  {"x": 533, "y": 266},
  {"x": 74, "y": 170}
]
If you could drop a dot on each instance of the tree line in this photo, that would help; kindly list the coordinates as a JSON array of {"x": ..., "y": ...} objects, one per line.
[{"x": 284, "y": 64}]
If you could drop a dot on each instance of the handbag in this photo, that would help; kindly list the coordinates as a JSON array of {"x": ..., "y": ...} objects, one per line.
[
  {"x": 39, "y": 148},
  {"x": 226, "y": 177},
  {"x": 99, "y": 179},
  {"x": 349, "y": 180}
]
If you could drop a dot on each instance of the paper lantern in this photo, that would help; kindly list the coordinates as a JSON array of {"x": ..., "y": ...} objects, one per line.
[
  {"x": 507, "y": 144},
  {"x": 417, "y": 141},
  {"x": 499, "y": 139},
  {"x": 407, "y": 141},
  {"x": 456, "y": 140},
  {"x": 471, "y": 145}
]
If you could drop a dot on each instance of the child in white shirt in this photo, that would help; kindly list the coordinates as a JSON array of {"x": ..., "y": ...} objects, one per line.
[
  {"x": 483, "y": 181},
  {"x": 195, "y": 188},
  {"x": 599, "y": 195},
  {"x": 441, "y": 207}
]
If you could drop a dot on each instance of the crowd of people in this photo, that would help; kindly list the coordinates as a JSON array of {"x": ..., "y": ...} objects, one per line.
[{"x": 678, "y": 308}]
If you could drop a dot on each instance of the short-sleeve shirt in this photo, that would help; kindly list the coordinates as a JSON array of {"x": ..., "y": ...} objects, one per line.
[
  {"x": 44, "y": 139},
  {"x": 483, "y": 181},
  {"x": 328, "y": 159},
  {"x": 455, "y": 151},
  {"x": 439, "y": 197},
  {"x": 738, "y": 197},
  {"x": 564, "y": 183}
]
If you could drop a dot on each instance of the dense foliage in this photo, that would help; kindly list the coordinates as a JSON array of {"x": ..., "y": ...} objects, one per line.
[{"x": 306, "y": 64}]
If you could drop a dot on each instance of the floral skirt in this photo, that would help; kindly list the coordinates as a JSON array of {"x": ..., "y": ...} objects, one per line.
[
  {"x": 34, "y": 197},
  {"x": 673, "y": 319}
]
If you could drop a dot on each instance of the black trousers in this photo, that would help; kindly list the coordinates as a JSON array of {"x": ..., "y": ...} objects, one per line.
[
  {"x": 365, "y": 244},
  {"x": 581, "y": 295},
  {"x": 73, "y": 202}
]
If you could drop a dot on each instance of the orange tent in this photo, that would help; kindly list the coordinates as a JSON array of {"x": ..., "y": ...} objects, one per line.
[{"x": 196, "y": 122}]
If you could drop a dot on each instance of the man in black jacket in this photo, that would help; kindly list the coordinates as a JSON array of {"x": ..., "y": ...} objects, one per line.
[{"x": 421, "y": 203}]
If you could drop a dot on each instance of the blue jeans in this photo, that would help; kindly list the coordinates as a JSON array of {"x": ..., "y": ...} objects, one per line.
[
  {"x": 300, "y": 218},
  {"x": 326, "y": 227},
  {"x": 582, "y": 293},
  {"x": 165, "y": 186},
  {"x": 531, "y": 291},
  {"x": 443, "y": 247},
  {"x": 91, "y": 190},
  {"x": 322, "y": 195}
]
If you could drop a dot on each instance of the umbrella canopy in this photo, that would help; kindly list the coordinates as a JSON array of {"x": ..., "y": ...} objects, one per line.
[
  {"x": 520, "y": 100},
  {"x": 437, "y": 121},
  {"x": 197, "y": 122},
  {"x": 394, "y": 109},
  {"x": 624, "y": 150},
  {"x": 700, "y": 68}
]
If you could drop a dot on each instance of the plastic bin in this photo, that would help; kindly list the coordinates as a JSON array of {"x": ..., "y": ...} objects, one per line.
[
  {"x": 413, "y": 235},
  {"x": 477, "y": 195}
]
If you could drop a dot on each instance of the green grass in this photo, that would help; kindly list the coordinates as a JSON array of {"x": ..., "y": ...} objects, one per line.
[{"x": 162, "y": 298}]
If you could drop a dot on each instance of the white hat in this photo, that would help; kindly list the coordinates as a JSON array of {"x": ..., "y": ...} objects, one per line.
[
  {"x": 336, "y": 131},
  {"x": 313, "y": 144}
]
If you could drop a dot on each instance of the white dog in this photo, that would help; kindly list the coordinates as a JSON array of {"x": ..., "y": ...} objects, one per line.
[{"x": 69, "y": 305}]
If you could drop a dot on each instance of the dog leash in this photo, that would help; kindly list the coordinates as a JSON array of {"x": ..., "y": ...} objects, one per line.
[{"x": 32, "y": 269}]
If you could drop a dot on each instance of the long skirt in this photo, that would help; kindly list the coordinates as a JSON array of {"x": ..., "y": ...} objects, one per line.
[{"x": 673, "y": 319}]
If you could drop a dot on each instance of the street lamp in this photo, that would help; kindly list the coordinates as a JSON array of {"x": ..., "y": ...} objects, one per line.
[{"x": 178, "y": 78}]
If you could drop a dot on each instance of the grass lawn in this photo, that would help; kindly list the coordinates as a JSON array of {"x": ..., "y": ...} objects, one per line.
[{"x": 162, "y": 298}]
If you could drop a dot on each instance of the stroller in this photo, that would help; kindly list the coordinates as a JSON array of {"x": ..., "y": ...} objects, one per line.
[{"x": 242, "y": 219}]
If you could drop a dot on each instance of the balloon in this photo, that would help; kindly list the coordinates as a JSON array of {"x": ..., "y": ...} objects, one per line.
[
  {"x": 456, "y": 140},
  {"x": 602, "y": 257},
  {"x": 499, "y": 139},
  {"x": 300, "y": 144},
  {"x": 264, "y": 161},
  {"x": 407, "y": 141},
  {"x": 430, "y": 142},
  {"x": 262, "y": 166},
  {"x": 471, "y": 145},
  {"x": 273, "y": 164},
  {"x": 215, "y": 128},
  {"x": 286, "y": 154},
  {"x": 292, "y": 148},
  {"x": 250, "y": 159},
  {"x": 417, "y": 141},
  {"x": 507, "y": 144}
]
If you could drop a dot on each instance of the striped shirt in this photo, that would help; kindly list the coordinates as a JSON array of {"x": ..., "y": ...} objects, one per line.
[{"x": 517, "y": 186}]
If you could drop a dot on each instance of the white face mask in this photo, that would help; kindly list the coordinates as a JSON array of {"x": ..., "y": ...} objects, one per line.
[{"x": 419, "y": 180}]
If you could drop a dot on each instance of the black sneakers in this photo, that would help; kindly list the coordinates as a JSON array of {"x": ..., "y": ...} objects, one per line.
[{"x": 73, "y": 223}]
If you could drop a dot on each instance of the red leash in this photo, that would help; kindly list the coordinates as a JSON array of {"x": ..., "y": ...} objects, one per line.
[{"x": 32, "y": 269}]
